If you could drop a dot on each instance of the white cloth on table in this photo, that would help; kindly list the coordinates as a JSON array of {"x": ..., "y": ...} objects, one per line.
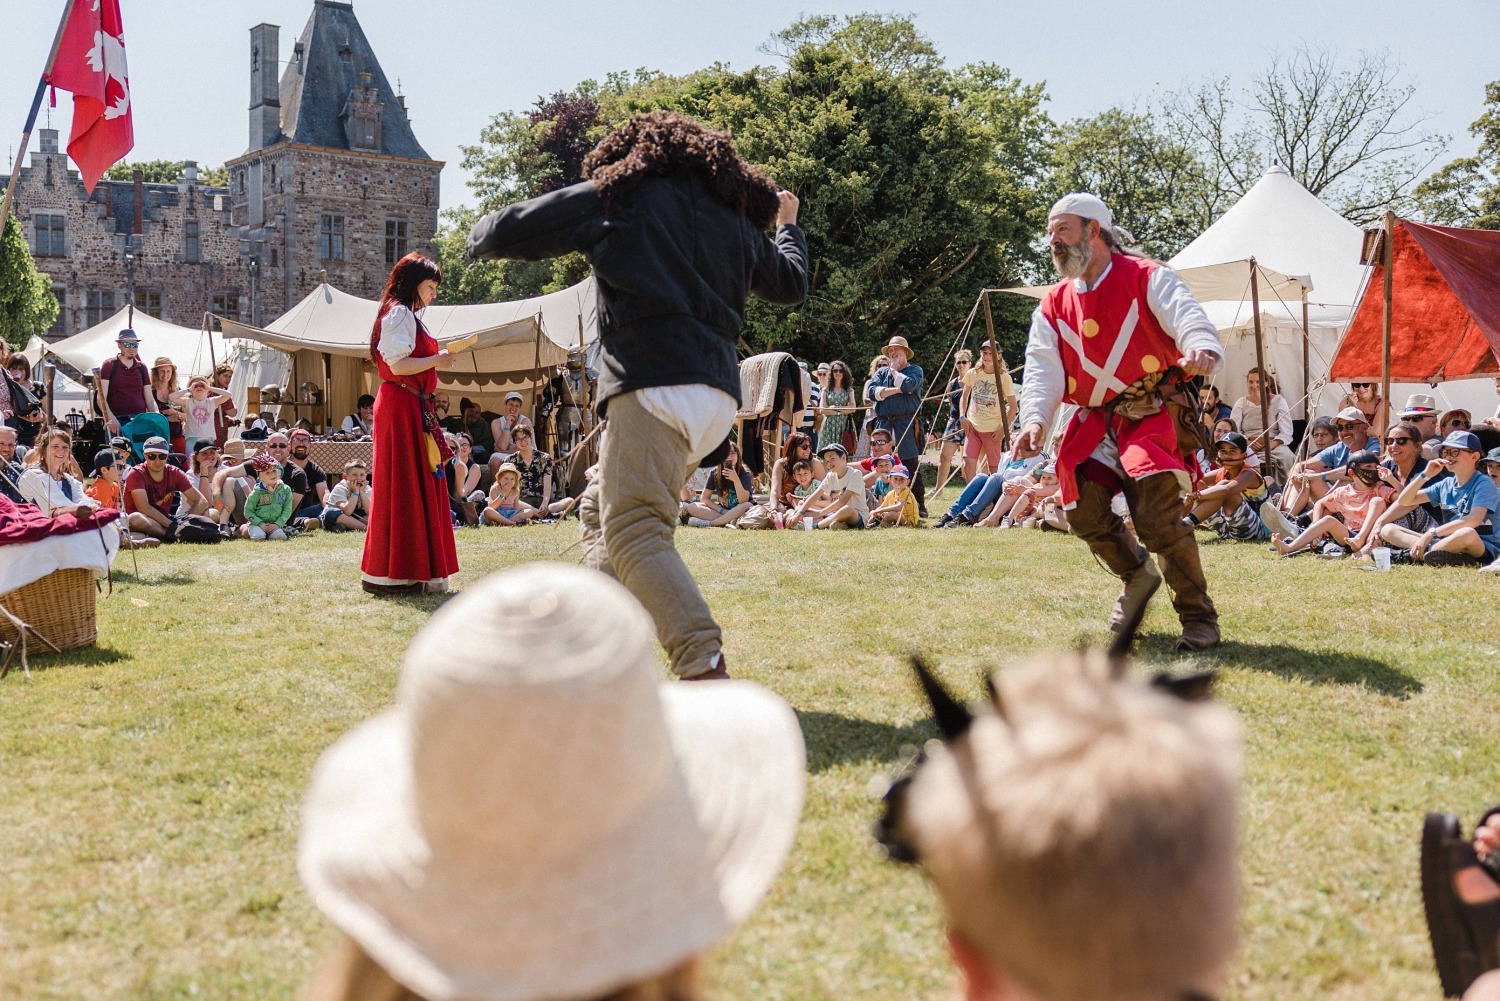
[{"x": 26, "y": 562}]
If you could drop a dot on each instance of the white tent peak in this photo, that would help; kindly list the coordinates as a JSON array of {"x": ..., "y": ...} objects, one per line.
[{"x": 1286, "y": 227}]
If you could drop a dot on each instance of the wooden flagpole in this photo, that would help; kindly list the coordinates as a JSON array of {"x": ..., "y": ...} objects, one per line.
[
  {"x": 1387, "y": 254},
  {"x": 36, "y": 104},
  {"x": 1260, "y": 363}
]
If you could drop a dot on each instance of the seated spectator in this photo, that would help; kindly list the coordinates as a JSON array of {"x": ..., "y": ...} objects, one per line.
[
  {"x": 898, "y": 506},
  {"x": 1421, "y": 409},
  {"x": 1212, "y": 406},
  {"x": 1027, "y": 510},
  {"x": 689, "y": 796},
  {"x": 442, "y": 408},
  {"x": 804, "y": 491},
  {"x": 1227, "y": 498},
  {"x": 881, "y": 485},
  {"x": 1345, "y": 516},
  {"x": 1402, "y": 464},
  {"x": 308, "y": 513},
  {"x": 233, "y": 483},
  {"x": 504, "y": 426},
  {"x": 1321, "y": 434},
  {"x": 985, "y": 490},
  {"x": 348, "y": 505},
  {"x": 798, "y": 448},
  {"x": 269, "y": 506},
  {"x": 1248, "y": 420},
  {"x": 198, "y": 404},
  {"x": 881, "y": 443},
  {"x": 151, "y": 490},
  {"x": 1494, "y": 421},
  {"x": 1466, "y": 533},
  {"x": 726, "y": 496},
  {"x": 50, "y": 480},
  {"x": 1365, "y": 397},
  {"x": 843, "y": 490},
  {"x": 361, "y": 423},
  {"x": 535, "y": 468},
  {"x": 1125, "y": 887},
  {"x": 1311, "y": 479},
  {"x": 472, "y": 422},
  {"x": 203, "y": 464},
  {"x": 108, "y": 490},
  {"x": 10, "y": 466},
  {"x": 1457, "y": 419},
  {"x": 505, "y": 505},
  {"x": 465, "y": 476},
  {"x": 1490, "y": 466}
]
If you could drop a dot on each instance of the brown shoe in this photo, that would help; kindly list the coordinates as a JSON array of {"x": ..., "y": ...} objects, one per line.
[
  {"x": 715, "y": 673},
  {"x": 1198, "y": 636},
  {"x": 1139, "y": 587},
  {"x": 390, "y": 590}
]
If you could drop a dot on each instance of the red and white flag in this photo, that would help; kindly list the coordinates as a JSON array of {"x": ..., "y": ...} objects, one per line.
[{"x": 91, "y": 63}]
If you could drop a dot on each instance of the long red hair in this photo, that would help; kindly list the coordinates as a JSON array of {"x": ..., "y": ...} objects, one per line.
[{"x": 401, "y": 289}]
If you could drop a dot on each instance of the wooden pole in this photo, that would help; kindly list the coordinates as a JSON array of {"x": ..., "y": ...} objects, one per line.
[
  {"x": 36, "y": 104},
  {"x": 1307, "y": 407},
  {"x": 1388, "y": 241},
  {"x": 998, "y": 364},
  {"x": 1265, "y": 377}
]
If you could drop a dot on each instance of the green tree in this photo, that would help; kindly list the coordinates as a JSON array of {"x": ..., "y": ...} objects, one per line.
[
  {"x": 167, "y": 172},
  {"x": 1158, "y": 188},
  {"x": 1466, "y": 192},
  {"x": 27, "y": 305}
]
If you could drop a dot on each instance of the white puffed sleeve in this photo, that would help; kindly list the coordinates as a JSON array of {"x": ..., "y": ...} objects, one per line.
[{"x": 398, "y": 334}]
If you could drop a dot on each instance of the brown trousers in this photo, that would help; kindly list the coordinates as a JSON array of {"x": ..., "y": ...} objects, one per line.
[{"x": 1155, "y": 504}]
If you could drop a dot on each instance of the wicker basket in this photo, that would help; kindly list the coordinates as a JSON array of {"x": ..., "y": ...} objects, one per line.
[{"x": 60, "y": 607}]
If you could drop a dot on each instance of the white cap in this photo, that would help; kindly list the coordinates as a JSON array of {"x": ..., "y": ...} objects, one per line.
[{"x": 1082, "y": 204}]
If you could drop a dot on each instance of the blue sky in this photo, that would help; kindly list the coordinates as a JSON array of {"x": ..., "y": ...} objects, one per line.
[{"x": 461, "y": 61}]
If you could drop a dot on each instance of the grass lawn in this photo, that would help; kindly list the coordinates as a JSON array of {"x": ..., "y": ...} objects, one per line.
[{"x": 151, "y": 786}]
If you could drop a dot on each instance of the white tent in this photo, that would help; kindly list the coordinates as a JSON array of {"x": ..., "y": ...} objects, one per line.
[
  {"x": 515, "y": 339},
  {"x": 192, "y": 351},
  {"x": 1284, "y": 226}
]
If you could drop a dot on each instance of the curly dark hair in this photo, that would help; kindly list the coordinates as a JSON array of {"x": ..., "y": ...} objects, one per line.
[{"x": 668, "y": 143}]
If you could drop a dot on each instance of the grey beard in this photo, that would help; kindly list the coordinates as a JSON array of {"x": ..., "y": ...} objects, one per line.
[{"x": 1071, "y": 261}]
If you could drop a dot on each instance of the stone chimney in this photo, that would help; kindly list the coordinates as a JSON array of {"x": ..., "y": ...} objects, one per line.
[
  {"x": 49, "y": 140},
  {"x": 265, "y": 85},
  {"x": 190, "y": 171}
]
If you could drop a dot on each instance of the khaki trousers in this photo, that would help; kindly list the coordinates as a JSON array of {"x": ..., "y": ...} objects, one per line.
[
  {"x": 1155, "y": 504},
  {"x": 629, "y": 514}
]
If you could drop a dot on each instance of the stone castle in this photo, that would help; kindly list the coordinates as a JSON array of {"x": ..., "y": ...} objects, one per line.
[{"x": 333, "y": 186}]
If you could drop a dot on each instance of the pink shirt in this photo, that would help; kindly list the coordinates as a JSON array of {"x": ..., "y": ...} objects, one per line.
[{"x": 1343, "y": 500}]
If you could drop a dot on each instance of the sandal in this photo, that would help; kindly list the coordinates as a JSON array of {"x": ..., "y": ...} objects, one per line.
[{"x": 1465, "y": 936}]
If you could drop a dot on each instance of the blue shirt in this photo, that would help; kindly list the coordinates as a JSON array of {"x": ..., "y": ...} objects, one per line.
[
  {"x": 1458, "y": 500},
  {"x": 1336, "y": 456}
]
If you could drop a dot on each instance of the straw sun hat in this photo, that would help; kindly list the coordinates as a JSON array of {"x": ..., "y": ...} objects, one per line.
[{"x": 539, "y": 816}]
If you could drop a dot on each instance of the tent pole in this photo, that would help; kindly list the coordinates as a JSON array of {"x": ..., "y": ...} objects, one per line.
[
  {"x": 1388, "y": 239},
  {"x": 1265, "y": 377},
  {"x": 989, "y": 328},
  {"x": 1307, "y": 407}
]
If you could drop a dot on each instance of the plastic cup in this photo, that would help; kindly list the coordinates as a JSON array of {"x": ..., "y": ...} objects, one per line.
[
  {"x": 807, "y": 526},
  {"x": 1382, "y": 556}
]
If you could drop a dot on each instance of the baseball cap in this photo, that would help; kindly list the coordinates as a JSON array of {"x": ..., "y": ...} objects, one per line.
[
  {"x": 300, "y": 433},
  {"x": 119, "y": 441},
  {"x": 105, "y": 457},
  {"x": 833, "y": 446},
  {"x": 158, "y": 445},
  {"x": 513, "y": 395},
  {"x": 1234, "y": 440},
  {"x": 1493, "y": 455},
  {"x": 901, "y": 472},
  {"x": 204, "y": 444},
  {"x": 1352, "y": 414},
  {"x": 1364, "y": 457},
  {"x": 1466, "y": 440}
]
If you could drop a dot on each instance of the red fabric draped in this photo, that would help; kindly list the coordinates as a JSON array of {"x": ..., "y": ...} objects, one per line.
[{"x": 1445, "y": 309}]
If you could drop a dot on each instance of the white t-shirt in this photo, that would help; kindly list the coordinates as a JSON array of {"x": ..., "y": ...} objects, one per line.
[
  {"x": 197, "y": 417},
  {"x": 854, "y": 481}
]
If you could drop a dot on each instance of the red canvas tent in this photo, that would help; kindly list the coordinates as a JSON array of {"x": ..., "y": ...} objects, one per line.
[{"x": 1445, "y": 309}]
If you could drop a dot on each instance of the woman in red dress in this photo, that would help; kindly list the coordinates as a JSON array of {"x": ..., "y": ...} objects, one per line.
[{"x": 409, "y": 546}]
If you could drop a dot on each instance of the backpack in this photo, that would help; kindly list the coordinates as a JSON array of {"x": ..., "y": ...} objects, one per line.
[{"x": 195, "y": 528}]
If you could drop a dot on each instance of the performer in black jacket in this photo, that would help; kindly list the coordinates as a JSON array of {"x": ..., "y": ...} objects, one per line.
[{"x": 674, "y": 224}]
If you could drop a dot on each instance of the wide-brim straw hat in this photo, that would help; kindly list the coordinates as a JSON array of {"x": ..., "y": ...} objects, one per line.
[
  {"x": 539, "y": 816},
  {"x": 898, "y": 342}
]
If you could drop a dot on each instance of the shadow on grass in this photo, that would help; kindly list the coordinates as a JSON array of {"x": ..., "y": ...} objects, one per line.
[
  {"x": 39, "y": 658},
  {"x": 1318, "y": 667},
  {"x": 840, "y": 740},
  {"x": 154, "y": 579}
]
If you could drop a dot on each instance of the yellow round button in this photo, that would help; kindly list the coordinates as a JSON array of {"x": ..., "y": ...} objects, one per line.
[
  {"x": 1090, "y": 327},
  {"x": 1072, "y": 385},
  {"x": 1151, "y": 363}
]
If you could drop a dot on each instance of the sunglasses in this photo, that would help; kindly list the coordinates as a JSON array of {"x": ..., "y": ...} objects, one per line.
[
  {"x": 131, "y": 345},
  {"x": 1456, "y": 423},
  {"x": 155, "y": 457},
  {"x": 1348, "y": 427},
  {"x": 1362, "y": 385},
  {"x": 1399, "y": 441}
]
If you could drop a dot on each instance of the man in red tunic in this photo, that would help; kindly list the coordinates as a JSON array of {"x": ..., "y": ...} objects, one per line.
[{"x": 1115, "y": 332}]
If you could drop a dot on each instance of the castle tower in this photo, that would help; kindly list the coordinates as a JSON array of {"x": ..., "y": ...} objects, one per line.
[{"x": 334, "y": 181}]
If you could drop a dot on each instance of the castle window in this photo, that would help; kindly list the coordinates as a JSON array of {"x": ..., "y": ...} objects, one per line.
[
  {"x": 364, "y": 132},
  {"x": 148, "y": 301},
  {"x": 395, "y": 240},
  {"x": 192, "y": 244},
  {"x": 98, "y": 307},
  {"x": 51, "y": 232},
  {"x": 60, "y": 325},
  {"x": 225, "y": 304},
  {"x": 331, "y": 237}
]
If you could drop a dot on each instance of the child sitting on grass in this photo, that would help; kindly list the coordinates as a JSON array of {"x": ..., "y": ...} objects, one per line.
[
  {"x": 802, "y": 495},
  {"x": 1228, "y": 497},
  {"x": 898, "y": 507},
  {"x": 347, "y": 506},
  {"x": 1027, "y": 511},
  {"x": 1343, "y": 514},
  {"x": 505, "y": 505},
  {"x": 881, "y": 484},
  {"x": 270, "y": 502},
  {"x": 108, "y": 491}
]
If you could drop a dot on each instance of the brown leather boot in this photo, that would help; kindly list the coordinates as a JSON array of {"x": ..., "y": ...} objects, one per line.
[
  {"x": 1140, "y": 585},
  {"x": 1183, "y": 571}
]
